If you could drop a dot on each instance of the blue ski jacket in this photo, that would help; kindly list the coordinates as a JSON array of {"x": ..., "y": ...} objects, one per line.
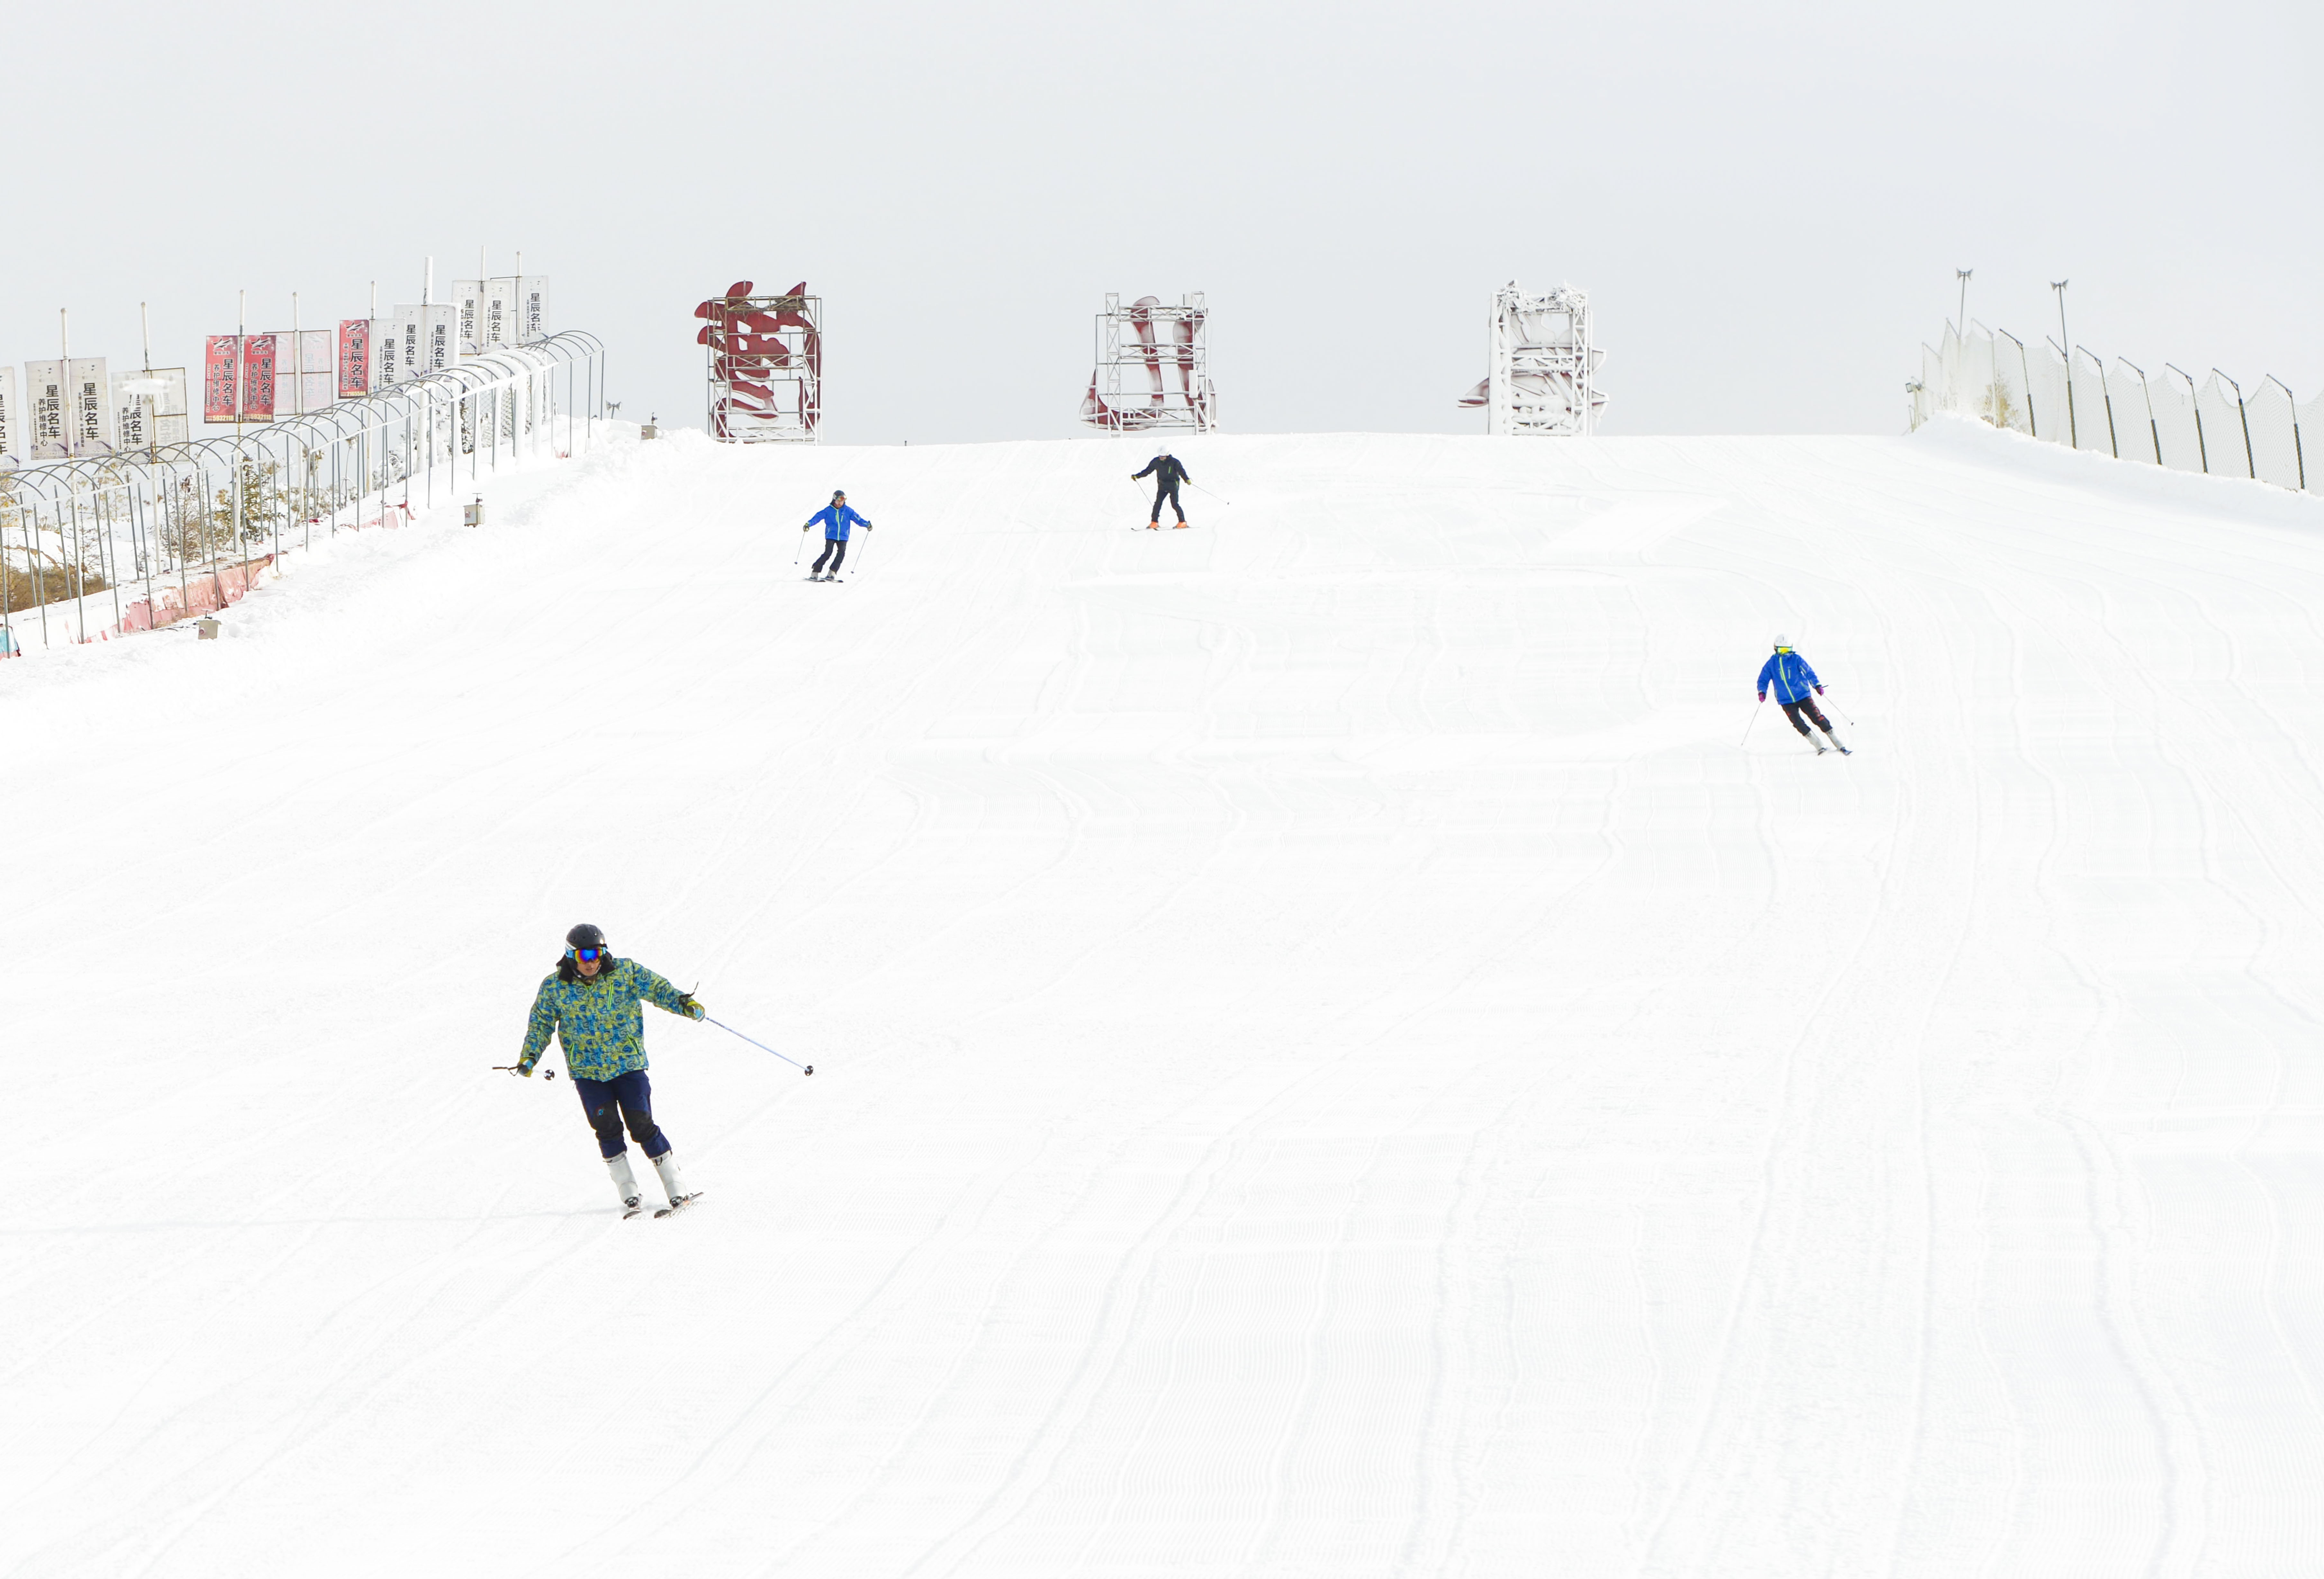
[
  {"x": 1789, "y": 673},
  {"x": 837, "y": 519}
]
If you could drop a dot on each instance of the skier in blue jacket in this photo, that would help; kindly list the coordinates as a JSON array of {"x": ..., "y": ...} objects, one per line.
[
  {"x": 1793, "y": 680},
  {"x": 837, "y": 518}
]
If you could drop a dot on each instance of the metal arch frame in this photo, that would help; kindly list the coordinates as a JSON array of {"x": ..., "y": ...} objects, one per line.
[{"x": 416, "y": 422}]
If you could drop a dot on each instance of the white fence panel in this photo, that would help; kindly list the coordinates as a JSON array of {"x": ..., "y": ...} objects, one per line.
[
  {"x": 2093, "y": 419},
  {"x": 1976, "y": 372},
  {"x": 2134, "y": 424},
  {"x": 2011, "y": 407},
  {"x": 2274, "y": 439},
  {"x": 2221, "y": 412},
  {"x": 2045, "y": 378},
  {"x": 2176, "y": 436}
]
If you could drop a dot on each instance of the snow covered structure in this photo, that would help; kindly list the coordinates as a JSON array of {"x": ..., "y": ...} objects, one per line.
[
  {"x": 1544, "y": 368},
  {"x": 765, "y": 364},
  {"x": 1163, "y": 354}
]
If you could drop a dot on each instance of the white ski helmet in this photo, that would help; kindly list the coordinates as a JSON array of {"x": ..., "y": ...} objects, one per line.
[
  {"x": 1162, "y": 453},
  {"x": 1782, "y": 644}
]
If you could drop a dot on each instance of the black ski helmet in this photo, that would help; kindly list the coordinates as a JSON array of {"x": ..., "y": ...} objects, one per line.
[{"x": 585, "y": 935}]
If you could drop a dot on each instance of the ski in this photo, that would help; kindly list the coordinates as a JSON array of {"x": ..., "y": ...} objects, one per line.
[
  {"x": 678, "y": 1205},
  {"x": 633, "y": 1211}
]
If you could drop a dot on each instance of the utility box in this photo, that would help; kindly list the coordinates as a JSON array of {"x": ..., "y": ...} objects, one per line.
[
  {"x": 206, "y": 629},
  {"x": 473, "y": 514},
  {"x": 648, "y": 431}
]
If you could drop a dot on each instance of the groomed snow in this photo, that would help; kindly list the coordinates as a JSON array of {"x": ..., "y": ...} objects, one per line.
[{"x": 1331, "y": 1059}]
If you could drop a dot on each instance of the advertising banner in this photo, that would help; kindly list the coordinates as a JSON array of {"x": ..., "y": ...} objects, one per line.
[
  {"x": 303, "y": 379},
  {"x": 221, "y": 383},
  {"x": 440, "y": 336},
  {"x": 92, "y": 406},
  {"x": 149, "y": 408},
  {"x": 426, "y": 339},
  {"x": 386, "y": 359},
  {"x": 134, "y": 396},
  {"x": 258, "y": 358},
  {"x": 531, "y": 307},
  {"x": 11, "y": 418},
  {"x": 355, "y": 358},
  {"x": 469, "y": 296},
  {"x": 404, "y": 350},
  {"x": 171, "y": 425},
  {"x": 48, "y": 409},
  {"x": 500, "y": 324}
]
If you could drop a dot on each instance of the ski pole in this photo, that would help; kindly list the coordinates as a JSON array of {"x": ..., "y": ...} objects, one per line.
[
  {"x": 1762, "y": 702},
  {"x": 1191, "y": 484},
  {"x": 802, "y": 546},
  {"x": 762, "y": 1047},
  {"x": 513, "y": 1070}
]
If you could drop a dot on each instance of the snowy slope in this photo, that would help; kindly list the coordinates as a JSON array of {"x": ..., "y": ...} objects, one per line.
[{"x": 1330, "y": 1060}]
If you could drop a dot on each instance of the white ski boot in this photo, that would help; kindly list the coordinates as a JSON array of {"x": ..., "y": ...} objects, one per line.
[
  {"x": 626, "y": 1184},
  {"x": 666, "y": 1165},
  {"x": 1812, "y": 741},
  {"x": 1842, "y": 750}
]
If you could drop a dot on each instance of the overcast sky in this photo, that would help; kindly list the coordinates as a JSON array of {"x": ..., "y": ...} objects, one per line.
[{"x": 1765, "y": 202}]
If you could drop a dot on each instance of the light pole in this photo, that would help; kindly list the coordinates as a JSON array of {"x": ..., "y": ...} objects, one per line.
[{"x": 1962, "y": 276}]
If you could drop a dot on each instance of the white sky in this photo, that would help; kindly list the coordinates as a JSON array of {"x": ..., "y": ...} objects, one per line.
[{"x": 1767, "y": 202}]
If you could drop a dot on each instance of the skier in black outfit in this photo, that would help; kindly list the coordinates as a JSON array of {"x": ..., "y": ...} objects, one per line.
[{"x": 1167, "y": 472}]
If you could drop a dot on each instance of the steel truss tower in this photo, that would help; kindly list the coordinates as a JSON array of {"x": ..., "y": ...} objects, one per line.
[
  {"x": 1543, "y": 367},
  {"x": 766, "y": 364},
  {"x": 1164, "y": 355}
]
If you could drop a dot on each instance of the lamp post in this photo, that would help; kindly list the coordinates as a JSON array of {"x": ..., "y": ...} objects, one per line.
[{"x": 1962, "y": 276}]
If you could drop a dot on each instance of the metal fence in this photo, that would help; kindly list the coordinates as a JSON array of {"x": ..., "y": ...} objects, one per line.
[
  {"x": 107, "y": 545},
  {"x": 2165, "y": 420}
]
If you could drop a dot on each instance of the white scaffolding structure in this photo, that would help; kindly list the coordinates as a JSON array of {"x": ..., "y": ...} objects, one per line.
[
  {"x": 1543, "y": 367},
  {"x": 1163, "y": 354}
]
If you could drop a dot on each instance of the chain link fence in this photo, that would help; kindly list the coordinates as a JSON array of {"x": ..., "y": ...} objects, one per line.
[
  {"x": 2165, "y": 418},
  {"x": 108, "y": 545}
]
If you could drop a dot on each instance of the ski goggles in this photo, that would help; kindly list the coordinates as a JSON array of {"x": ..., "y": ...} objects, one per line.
[{"x": 590, "y": 955}]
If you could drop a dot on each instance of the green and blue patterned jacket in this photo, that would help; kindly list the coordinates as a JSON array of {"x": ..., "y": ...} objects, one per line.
[{"x": 596, "y": 1019}]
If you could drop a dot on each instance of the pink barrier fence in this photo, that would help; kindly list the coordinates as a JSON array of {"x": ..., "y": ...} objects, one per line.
[{"x": 211, "y": 591}]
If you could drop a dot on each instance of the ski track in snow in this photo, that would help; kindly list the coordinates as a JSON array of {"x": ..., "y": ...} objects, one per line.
[{"x": 1331, "y": 1059}]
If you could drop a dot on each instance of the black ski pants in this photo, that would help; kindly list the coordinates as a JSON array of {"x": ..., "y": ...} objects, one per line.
[
  {"x": 1166, "y": 490},
  {"x": 624, "y": 1099},
  {"x": 834, "y": 548},
  {"x": 1792, "y": 710}
]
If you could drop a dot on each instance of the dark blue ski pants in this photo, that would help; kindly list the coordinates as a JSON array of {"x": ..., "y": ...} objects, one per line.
[
  {"x": 624, "y": 1099},
  {"x": 834, "y": 548}
]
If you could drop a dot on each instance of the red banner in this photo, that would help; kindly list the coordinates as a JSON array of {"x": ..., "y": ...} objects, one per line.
[
  {"x": 258, "y": 378},
  {"x": 355, "y": 358},
  {"x": 219, "y": 358}
]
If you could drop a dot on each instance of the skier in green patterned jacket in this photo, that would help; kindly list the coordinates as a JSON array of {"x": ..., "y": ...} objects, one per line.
[{"x": 590, "y": 1003}]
